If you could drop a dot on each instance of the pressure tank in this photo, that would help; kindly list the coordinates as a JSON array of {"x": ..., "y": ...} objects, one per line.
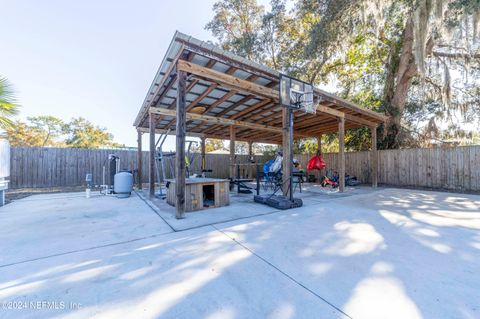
[{"x": 123, "y": 184}]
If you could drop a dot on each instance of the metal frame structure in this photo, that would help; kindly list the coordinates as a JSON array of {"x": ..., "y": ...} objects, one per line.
[{"x": 240, "y": 101}]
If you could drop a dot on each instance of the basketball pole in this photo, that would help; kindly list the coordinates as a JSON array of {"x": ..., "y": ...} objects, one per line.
[{"x": 290, "y": 160}]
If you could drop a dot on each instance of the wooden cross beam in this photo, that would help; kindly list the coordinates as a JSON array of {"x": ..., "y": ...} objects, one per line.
[
  {"x": 226, "y": 80},
  {"x": 241, "y": 113},
  {"x": 216, "y": 120},
  {"x": 230, "y": 71},
  {"x": 171, "y": 132},
  {"x": 330, "y": 111},
  {"x": 261, "y": 139},
  {"x": 359, "y": 120},
  {"x": 344, "y": 103}
]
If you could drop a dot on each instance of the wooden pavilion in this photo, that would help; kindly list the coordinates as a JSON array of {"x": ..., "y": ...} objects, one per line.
[{"x": 203, "y": 91}]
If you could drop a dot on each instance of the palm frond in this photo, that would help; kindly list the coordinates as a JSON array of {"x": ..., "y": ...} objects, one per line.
[{"x": 8, "y": 104}]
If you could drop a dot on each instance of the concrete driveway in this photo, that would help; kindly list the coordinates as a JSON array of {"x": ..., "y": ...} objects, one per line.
[{"x": 388, "y": 254}]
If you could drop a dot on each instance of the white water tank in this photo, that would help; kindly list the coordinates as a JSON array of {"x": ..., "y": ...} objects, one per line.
[{"x": 123, "y": 184}]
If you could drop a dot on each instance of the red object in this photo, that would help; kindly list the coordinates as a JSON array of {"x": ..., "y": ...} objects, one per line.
[{"x": 316, "y": 162}]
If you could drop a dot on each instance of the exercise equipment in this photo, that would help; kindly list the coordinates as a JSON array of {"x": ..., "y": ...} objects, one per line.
[
  {"x": 242, "y": 187},
  {"x": 274, "y": 176},
  {"x": 160, "y": 159}
]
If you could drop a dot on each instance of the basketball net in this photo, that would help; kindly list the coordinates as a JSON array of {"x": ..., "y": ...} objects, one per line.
[{"x": 303, "y": 100}]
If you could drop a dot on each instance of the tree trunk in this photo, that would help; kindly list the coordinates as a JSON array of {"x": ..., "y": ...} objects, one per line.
[{"x": 402, "y": 68}]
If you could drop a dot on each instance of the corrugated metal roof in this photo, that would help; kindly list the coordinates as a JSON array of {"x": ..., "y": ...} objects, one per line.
[{"x": 202, "y": 53}]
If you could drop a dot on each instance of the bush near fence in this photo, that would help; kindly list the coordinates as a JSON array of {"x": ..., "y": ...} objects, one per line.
[{"x": 438, "y": 168}]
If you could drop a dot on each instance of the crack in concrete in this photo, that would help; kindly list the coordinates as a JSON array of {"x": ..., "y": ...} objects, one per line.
[
  {"x": 283, "y": 272},
  {"x": 84, "y": 249}
]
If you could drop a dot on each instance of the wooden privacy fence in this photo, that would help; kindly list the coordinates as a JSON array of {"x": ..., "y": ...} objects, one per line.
[
  {"x": 456, "y": 168},
  {"x": 57, "y": 167},
  {"x": 439, "y": 168}
]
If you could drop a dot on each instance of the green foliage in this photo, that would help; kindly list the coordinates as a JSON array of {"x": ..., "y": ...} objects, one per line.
[
  {"x": 22, "y": 134},
  {"x": 213, "y": 144},
  {"x": 360, "y": 48},
  {"x": 265, "y": 149},
  {"x": 83, "y": 134},
  {"x": 42, "y": 131},
  {"x": 51, "y": 128},
  {"x": 8, "y": 104},
  {"x": 305, "y": 146},
  {"x": 236, "y": 24}
]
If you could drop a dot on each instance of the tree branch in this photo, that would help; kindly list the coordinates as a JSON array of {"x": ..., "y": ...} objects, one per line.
[{"x": 455, "y": 55}]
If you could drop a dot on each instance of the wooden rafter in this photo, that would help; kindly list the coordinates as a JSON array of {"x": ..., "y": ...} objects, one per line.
[
  {"x": 196, "y": 101},
  {"x": 248, "y": 109},
  {"x": 335, "y": 100},
  {"x": 225, "y": 97},
  {"x": 228, "y": 109},
  {"x": 305, "y": 124}
]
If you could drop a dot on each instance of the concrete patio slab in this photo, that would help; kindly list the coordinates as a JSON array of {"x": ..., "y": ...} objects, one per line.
[
  {"x": 242, "y": 206},
  {"x": 50, "y": 224},
  {"x": 394, "y": 254},
  {"x": 193, "y": 274},
  {"x": 388, "y": 254}
]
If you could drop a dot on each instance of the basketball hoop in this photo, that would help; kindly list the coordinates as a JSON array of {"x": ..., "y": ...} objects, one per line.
[{"x": 297, "y": 98}]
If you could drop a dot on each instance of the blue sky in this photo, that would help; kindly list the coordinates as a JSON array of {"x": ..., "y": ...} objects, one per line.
[{"x": 94, "y": 59}]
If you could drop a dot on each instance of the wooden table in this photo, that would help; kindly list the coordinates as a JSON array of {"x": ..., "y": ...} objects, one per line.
[{"x": 201, "y": 193}]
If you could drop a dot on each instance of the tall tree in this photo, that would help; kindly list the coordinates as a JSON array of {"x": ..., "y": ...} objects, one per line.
[
  {"x": 8, "y": 104},
  {"x": 417, "y": 35},
  {"x": 22, "y": 134},
  {"x": 83, "y": 134},
  {"x": 415, "y": 60},
  {"x": 51, "y": 127},
  {"x": 42, "y": 131},
  {"x": 236, "y": 24}
]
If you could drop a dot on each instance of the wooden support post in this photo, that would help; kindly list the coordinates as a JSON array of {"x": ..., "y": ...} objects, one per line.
[
  {"x": 181, "y": 128},
  {"x": 319, "y": 144},
  {"x": 341, "y": 154},
  {"x": 318, "y": 174},
  {"x": 139, "y": 159},
  {"x": 374, "y": 157},
  {"x": 287, "y": 165},
  {"x": 232, "y": 151},
  {"x": 250, "y": 169},
  {"x": 202, "y": 152},
  {"x": 151, "y": 155}
]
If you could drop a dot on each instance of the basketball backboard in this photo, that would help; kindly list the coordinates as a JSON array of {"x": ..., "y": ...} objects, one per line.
[{"x": 296, "y": 94}]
